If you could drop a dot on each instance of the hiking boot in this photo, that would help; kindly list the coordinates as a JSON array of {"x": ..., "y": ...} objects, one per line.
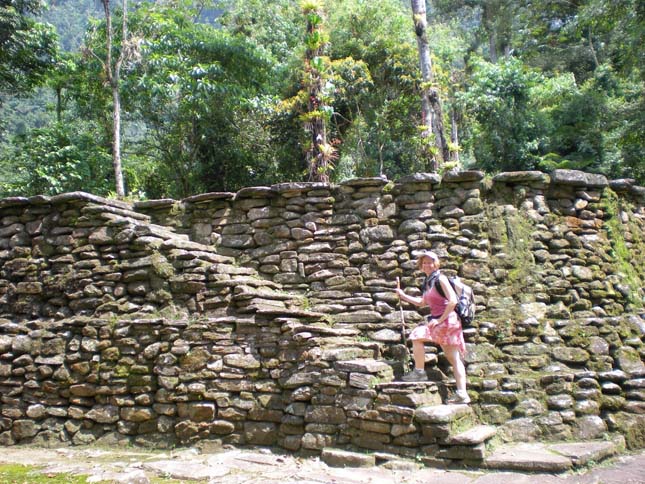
[
  {"x": 458, "y": 398},
  {"x": 415, "y": 375}
]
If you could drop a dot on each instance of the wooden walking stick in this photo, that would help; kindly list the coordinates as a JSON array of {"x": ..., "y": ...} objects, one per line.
[{"x": 405, "y": 342}]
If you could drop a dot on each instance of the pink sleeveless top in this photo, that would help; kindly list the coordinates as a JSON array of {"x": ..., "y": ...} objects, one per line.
[
  {"x": 449, "y": 332},
  {"x": 435, "y": 302}
]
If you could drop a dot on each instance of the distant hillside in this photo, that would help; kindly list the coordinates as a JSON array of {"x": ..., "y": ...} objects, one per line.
[{"x": 70, "y": 18}]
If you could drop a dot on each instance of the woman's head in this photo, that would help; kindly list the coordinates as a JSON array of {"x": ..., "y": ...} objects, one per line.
[{"x": 427, "y": 261}]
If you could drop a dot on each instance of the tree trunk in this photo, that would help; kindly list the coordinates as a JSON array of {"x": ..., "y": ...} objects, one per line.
[
  {"x": 492, "y": 47},
  {"x": 318, "y": 132},
  {"x": 320, "y": 152},
  {"x": 116, "y": 142},
  {"x": 593, "y": 51},
  {"x": 431, "y": 113},
  {"x": 112, "y": 73},
  {"x": 454, "y": 135},
  {"x": 59, "y": 104}
]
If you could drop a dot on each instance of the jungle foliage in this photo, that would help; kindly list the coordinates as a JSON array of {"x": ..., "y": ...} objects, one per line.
[{"x": 215, "y": 93}]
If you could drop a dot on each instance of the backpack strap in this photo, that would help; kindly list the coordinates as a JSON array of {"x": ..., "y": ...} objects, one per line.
[
  {"x": 433, "y": 281},
  {"x": 425, "y": 284},
  {"x": 438, "y": 287}
]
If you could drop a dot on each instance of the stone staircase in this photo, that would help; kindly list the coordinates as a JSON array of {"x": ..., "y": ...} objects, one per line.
[
  {"x": 423, "y": 428},
  {"x": 390, "y": 418},
  {"x": 407, "y": 422}
]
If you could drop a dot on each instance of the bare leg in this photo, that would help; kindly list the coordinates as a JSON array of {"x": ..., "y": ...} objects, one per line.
[
  {"x": 419, "y": 372},
  {"x": 419, "y": 354},
  {"x": 458, "y": 369}
]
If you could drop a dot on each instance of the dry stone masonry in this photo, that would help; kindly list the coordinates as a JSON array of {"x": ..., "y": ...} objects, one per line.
[{"x": 268, "y": 317}]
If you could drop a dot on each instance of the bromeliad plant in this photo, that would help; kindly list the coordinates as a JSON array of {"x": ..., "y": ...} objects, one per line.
[{"x": 321, "y": 153}]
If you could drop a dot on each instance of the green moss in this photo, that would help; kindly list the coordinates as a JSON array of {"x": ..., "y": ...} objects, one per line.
[
  {"x": 627, "y": 262},
  {"x": 177, "y": 209},
  {"x": 161, "y": 266},
  {"x": 515, "y": 233},
  {"x": 511, "y": 235},
  {"x": 121, "y": 371},
  {"x": 580, "y": 341},
  {"x": 60, "y": 281},
  {"x": 519, "y": 230},
  {"x": 112, "y": 322},
  {"x": 462, "y": 424},
  {"x": 304, "y": 303},
  {"x": 374, "y": 381},
  {"x": 160, "y": 296},
  {"x": 388, "y": 187},
  {"x": 195, "y": 359},
  {"x": 578, "y": 334},
  {"x": 493, "y": 443},
  {"x": 329, "y": 319},
  {"x": 110, "y": 354}
]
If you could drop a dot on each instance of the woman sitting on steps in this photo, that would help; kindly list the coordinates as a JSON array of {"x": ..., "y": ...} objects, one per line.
[{"x": 442, "y": 327}]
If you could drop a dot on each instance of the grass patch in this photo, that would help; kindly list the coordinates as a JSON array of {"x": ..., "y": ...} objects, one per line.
[{"x": 20, "y": 474}]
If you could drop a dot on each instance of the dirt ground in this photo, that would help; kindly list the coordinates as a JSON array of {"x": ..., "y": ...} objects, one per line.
[{"x": 247, "y": 466}]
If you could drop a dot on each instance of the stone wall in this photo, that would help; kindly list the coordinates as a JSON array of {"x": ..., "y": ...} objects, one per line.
[
  {"x": 268, "y": 316},
  {"x": 574, "y": 238}
]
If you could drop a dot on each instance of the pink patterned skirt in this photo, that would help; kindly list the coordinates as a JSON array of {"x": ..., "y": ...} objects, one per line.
[{"x": 447, "y": 333}]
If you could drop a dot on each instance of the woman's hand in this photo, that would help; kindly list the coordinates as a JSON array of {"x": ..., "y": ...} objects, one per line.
[
  {"x": 417, "y": 301},
  {"x": 432, "y": 322}
]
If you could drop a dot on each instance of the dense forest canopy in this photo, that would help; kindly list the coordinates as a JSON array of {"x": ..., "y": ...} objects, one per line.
[{"x": 219, "y": 94}]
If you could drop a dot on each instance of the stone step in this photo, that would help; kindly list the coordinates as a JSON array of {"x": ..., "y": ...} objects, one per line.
[
  {"x": 346, "y": 352},
  {"x": 289, "y": 312},
  {"x": 582, "y": 453},
  {"x": 343, "y": 458},
  {"x": 473, "y": 436},
  {"x": 320, "y": 330},
  {"x": 242, "y": 292},
  {"x": 456, "y": 431},
  {"x": 442, "y": 414},
  {"x": 519, "y": 457},
  {"x": 248, "y": 281},
  {"x": 107, "y": 212},
  {"x": 363, "y": 366},
  {"x": 527, "y": 458},
  {"x": 458, "y": 454},
  {"x": 365, "y": 372},
  {"x": 544, "y": 457},
  {"x": 412, "y": 395}
]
